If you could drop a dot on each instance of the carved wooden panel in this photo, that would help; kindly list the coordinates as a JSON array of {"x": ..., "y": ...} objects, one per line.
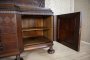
[
  {"x": 37, "y": 3},
  {"x": 7, "y": 23},
  {"x": 8, "y": 34}
]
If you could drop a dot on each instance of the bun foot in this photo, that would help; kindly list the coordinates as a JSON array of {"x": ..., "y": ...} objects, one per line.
[{"x": 51, "y": 51}]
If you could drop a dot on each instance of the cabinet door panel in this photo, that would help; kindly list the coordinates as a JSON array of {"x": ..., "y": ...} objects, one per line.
[
  {"x": 10, "y": 34},
  {"x": 68, "y": 30}
]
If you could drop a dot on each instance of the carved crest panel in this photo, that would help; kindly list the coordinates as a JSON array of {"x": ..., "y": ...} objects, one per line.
[
  {"x": 37, "y": 3},
  {"x": 7, "y": 23}
]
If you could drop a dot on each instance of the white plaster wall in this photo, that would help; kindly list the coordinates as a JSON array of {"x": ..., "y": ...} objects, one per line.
[
  {"x": 60, "y": 6},
  {"x": 89, "y": 19},
  {"x": 47, "y": 3},
  {"x": 84, "y": 7}
]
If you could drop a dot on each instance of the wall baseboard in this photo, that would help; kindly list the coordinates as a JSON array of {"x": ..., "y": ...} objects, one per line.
[{"x": 85, "y": 42}]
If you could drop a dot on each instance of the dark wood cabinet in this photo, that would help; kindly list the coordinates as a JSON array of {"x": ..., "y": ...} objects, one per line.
[{"x": 25, "y": 26}]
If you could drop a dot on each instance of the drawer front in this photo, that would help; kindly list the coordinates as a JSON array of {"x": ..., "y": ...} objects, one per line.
[{"x": 7, "y": 23}]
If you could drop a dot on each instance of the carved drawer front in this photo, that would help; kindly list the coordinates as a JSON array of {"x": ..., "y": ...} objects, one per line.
[{"x": 7, "y": 23}]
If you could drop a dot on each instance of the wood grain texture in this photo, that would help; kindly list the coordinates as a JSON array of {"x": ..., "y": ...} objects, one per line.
[
  {"x": 9, "y": 35},
  {"x": 68, "y": 32},
  {"x": 37, "y": 30}
]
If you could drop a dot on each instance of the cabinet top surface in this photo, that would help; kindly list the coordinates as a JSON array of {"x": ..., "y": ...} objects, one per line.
[{"x": 24, "y": 9}]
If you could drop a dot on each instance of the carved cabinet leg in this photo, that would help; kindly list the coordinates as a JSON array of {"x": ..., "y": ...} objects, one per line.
[
  {"x": 18, "y": 57},
  {"x": 51, "y": 50}
]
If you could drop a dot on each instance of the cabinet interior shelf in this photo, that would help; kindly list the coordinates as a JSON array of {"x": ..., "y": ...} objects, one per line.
[
  {"x": 35, "y": 40},
  {"x": 35, "y": 29}
]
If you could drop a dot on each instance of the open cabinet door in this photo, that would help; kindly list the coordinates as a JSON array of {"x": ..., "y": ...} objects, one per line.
[{"x": 68, "y": 26}]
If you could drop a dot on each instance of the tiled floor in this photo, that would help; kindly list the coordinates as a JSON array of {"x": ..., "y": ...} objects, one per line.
[{"x": 61, "y": 53}]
